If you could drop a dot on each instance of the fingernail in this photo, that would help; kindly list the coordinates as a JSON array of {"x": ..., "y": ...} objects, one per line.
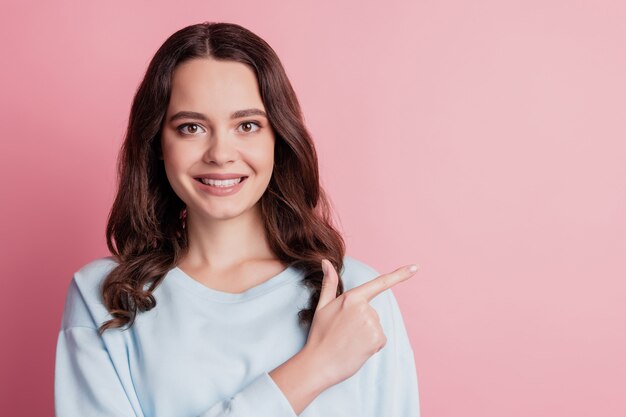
[
  {"x": 324, "y": 268},
  {"x": 413, "y": 268}
]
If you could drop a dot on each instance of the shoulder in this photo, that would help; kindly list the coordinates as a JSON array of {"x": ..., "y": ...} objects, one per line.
[
  {"x": 97, "y": 265},
  {"x": 356, "y": 272},
  {"x": 83, "y": 299},
  {"x": 90, "y": 276}
]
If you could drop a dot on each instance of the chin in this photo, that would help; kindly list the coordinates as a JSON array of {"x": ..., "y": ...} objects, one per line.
[{"x": 225, "y": 213}]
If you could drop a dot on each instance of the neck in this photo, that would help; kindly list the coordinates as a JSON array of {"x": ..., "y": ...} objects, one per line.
[{"x": 220, "y": 244}]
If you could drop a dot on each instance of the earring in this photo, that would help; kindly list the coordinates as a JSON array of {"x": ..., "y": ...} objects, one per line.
[{"x": 183, "y": 217}]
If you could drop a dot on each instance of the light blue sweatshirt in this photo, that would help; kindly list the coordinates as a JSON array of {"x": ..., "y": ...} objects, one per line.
[{"x": 206, "y": 353}]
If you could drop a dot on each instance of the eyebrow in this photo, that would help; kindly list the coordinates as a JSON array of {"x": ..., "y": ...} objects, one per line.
[{"x": 200, "y": 116}]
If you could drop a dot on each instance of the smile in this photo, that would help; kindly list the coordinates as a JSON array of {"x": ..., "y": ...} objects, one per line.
[
  {"x": 221, "y": 188},
  {"x": 220, "y": 183}
]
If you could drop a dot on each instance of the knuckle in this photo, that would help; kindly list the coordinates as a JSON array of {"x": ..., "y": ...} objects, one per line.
[
  {"x": 379, "y": 340},
  {"x": 383, "y": 342},
  {"x": 370, "y": 324},
  {"x": 385, "y": 280}
]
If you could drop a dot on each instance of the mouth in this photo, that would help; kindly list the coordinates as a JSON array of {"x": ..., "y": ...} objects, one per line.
[{"x": 221, "y": 183}]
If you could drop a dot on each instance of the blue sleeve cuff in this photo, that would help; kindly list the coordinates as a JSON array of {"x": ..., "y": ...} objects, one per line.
[
  {"x": 260, "y": 398},
  {"x": 266, "y": 398}
]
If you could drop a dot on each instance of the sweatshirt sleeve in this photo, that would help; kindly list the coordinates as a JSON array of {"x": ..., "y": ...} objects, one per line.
[
  {"x": 396, "y": 387},
  {"x": 261, "y": 397},
  {"x": 390, "y": 375},
  {"x": 87, "y": 383}
]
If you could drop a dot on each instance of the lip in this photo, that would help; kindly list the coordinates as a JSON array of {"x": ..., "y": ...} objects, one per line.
[
  {"x": 221, "y": 191},
  {"x": 217, "y": 176}
]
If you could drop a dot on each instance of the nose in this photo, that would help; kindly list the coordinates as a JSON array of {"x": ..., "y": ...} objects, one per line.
[{"x": 220, "y": 149}]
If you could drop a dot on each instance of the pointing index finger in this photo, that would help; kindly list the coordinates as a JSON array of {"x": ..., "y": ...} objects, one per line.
[{"x": 372, "y": 288}]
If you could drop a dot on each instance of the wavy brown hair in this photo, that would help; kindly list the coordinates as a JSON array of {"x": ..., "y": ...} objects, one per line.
[{"x": 146, "y": 226}]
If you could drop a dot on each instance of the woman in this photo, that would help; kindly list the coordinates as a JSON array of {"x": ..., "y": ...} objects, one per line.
[{"x": 223, "y": 296}]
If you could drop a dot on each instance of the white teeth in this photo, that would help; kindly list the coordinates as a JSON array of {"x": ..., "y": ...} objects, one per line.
[{"x": 221, "y": 183}]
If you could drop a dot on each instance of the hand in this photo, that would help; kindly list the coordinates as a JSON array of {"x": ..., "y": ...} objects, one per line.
[{"x": 346, "y": 330}]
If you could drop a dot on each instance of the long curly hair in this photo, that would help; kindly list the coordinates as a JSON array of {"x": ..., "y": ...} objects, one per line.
[{"x": 146, "y": 226}]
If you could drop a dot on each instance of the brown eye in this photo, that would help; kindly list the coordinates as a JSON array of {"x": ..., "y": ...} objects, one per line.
[
  {"x": 192, "y": 128},
  {"x": 247, "y": 126}
]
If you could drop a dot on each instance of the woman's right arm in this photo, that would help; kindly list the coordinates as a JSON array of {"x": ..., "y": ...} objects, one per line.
[{"x": 87, "y": 384}]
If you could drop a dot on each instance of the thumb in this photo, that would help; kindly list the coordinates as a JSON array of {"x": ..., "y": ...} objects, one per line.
[{"x": 329, "y": 284}]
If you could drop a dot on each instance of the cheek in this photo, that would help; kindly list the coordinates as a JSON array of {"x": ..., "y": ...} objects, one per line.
[
  {"x": 259, "y": 156},
  {"x": 175, "y": 168},
  {"x": 175, "y": 158},
  {"x": 264, "y": 160}
]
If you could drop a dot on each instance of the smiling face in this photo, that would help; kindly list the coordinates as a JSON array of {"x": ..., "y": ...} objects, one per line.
[{"x": 215, "y": 124}]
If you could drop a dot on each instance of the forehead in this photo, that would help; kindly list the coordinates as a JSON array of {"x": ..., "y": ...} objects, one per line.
[{"x": 214, "y": 86}]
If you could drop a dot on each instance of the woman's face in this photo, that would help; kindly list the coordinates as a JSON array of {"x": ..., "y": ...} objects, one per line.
[{"x": 219, "y": 138}]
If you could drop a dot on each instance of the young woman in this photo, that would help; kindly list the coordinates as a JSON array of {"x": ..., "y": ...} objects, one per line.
[{"x": 228, "y": 292}]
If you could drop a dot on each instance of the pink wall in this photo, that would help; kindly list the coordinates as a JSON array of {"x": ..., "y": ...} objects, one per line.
[{"x": 484, "y": 140}]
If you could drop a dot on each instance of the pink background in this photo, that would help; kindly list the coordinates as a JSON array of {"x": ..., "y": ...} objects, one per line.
[{"x": 484, "y": 140}]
